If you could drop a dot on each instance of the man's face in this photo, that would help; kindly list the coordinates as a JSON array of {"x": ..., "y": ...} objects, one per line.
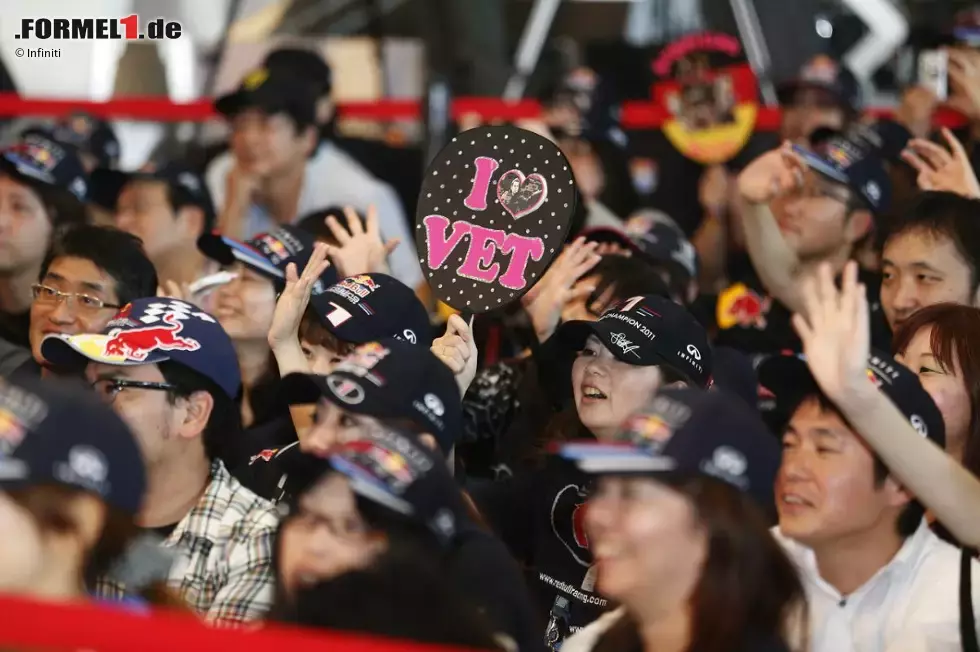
[
  {"x": 825, "y": 489},
  {"x": 147, "y": 410},
  {"x": 919, "y": 269},
  {"x": 813, "y": 218},
  {"x": 144, "y": 209},
  {"x": 81, "y": 312},
  {"x": 266, "y": 144},
  {"x": 25, "y": 228}
]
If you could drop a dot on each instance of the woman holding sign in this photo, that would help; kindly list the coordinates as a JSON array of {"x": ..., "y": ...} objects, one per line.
[{"x": 610, "y": 368}]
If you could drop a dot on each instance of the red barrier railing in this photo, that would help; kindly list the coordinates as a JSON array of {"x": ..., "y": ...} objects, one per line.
[
  {"x": 635, "y": 114},
  {"x": 72, "y": 627}
]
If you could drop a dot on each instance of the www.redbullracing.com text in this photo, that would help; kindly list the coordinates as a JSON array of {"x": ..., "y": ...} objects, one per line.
[{"x": 81, "y": 29}]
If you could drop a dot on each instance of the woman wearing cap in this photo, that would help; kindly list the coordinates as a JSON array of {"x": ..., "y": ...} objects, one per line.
[
  {"x": 603, "y": 371},
  {"x": 505, "y": 407},
  {"x": 42, "y": 186},
  {"x": 385, "y": 505},
  {"x": 935, "y": 344},
  {"x": 677, "y": 538},
  {"x": 72, "y": 483}
]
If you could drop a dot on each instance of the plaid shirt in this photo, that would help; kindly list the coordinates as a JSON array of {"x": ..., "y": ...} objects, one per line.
[{"x": 224, "y": 570}]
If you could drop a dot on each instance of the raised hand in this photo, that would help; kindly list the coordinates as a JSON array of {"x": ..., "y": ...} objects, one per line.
[
  {"x": 836, "y": 333},
  {"x": 770, "y": 175},
  {"x": 361, "y": 250},
  {"x": 545, "y": 301},
  {"x": 284, "y": 332},
  {"x": 942, "y": 169},
  {"x": 457, "y": 349}
]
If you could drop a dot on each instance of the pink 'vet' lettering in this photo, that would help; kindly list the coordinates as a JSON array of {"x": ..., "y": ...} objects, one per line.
[
  {"x": 484, "y": 243},
  {"x": 441, "y": 246},
  {"x": 477, "y": 199},
  {"x": 524, "y": 250}
]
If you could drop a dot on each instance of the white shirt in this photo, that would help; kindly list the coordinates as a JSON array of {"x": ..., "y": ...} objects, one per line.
[
  {"x": 910, "y": 605},
  {"x": 334, "y": 178}
]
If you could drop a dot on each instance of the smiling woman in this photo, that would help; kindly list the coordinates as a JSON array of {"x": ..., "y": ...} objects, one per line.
[{"x": 604, "y": 371}]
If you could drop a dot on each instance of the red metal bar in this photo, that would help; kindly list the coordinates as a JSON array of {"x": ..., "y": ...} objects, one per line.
[{"x": 635, "y": 114}]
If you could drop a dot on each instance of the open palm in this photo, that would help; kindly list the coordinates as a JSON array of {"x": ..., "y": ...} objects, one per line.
[{"x": 835, "y": 332}]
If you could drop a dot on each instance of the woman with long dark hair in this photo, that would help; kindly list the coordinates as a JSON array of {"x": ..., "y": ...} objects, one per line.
[
  {"x": 72, "y": 483},
  {"x": 374, "y": 543},
  {"x": 601, "y": 372},
  {"x": 678, "y": 540}
]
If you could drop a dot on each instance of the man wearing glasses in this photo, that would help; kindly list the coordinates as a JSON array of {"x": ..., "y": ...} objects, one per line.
[
  {"x": 171, "y": 372},
  {"x": 803, "y": 208},
  {"x": 89, "y": 273}
]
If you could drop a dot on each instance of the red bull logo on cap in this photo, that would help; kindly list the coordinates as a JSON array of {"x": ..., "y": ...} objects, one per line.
[
  {"x": 136, "y": 344},
  {"x": 740, "y": 306},
  {"x": 649, "y": 427},
  {"x": 366, "y": 281},
  {"x": 873, "y": 377}
]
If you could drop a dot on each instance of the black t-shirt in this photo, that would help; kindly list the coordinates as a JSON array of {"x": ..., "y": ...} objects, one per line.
[
  {"x": 483, "y": 570},
  {"x": 540, "y": 517},
  {"x": 749, "y": 320}
]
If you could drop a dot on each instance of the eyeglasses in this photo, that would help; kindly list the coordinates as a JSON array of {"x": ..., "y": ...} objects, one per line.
[
  {"x": 107, "y": 388},
  {"x": 47, "y": 295}
]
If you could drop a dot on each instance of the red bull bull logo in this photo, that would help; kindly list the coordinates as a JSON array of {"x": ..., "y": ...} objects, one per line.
[
  {"x": 136, "y": 344},
  {"x": 11, "y": 431},
  {"x": 740, "y": 306},
  {"x": 366, "y": 281},
  {"x": 265, "y": 456},
  {"x": 873, "y": 377},
  {"x": 649, "y": 427},
  {"x": 276, "y": 247}
]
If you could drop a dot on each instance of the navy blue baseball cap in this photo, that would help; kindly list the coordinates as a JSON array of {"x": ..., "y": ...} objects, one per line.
[
  {"x": 788, "y": 378},
  {"x": 389, "y": 379},
  {"x": 824, "y": 74},
  {"x": 272, "y": 90},
  {"x": 643, "y": 331},
  {"x": 660, "y": 244},
  {"x": 37, "y": 158},
  {"x": 393, "y": 469},
  {"x": 305, "y": 64},
  {"x": 89, "y": 135},
  {"x": 150, "y": 331},
  {"x": 371, "y": 307},
  {"x": 268, "y": 253},
  {"x": 689, "y": 431},
  {"x": 56, "y": 434},
  {"x": 186, "y": 186},
  {"x": 858, "y": 158}
]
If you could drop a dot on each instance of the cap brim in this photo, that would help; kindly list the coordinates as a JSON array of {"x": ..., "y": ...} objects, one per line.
[
  {"x": 786, "y": 91},
  {"x": 596, "y": 458},
  {"x": 76, "y": 351},
  {"x": 823, "y": 166},
  {"x": 364, "y": 484},
  {"x": 264, "y": 98},
  {"x": 302, "y": 389},
  {"x": 572, "y": 336},
  {"x": 21, "y": 170},
  {"x": 227, "y": 251}
]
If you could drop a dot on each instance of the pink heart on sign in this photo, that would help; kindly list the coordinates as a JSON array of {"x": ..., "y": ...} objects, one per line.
[{"x": 520, "y": 195}]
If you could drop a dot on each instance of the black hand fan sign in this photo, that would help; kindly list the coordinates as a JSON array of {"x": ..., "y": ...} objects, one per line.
[{"x": 493, "y": 213}]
